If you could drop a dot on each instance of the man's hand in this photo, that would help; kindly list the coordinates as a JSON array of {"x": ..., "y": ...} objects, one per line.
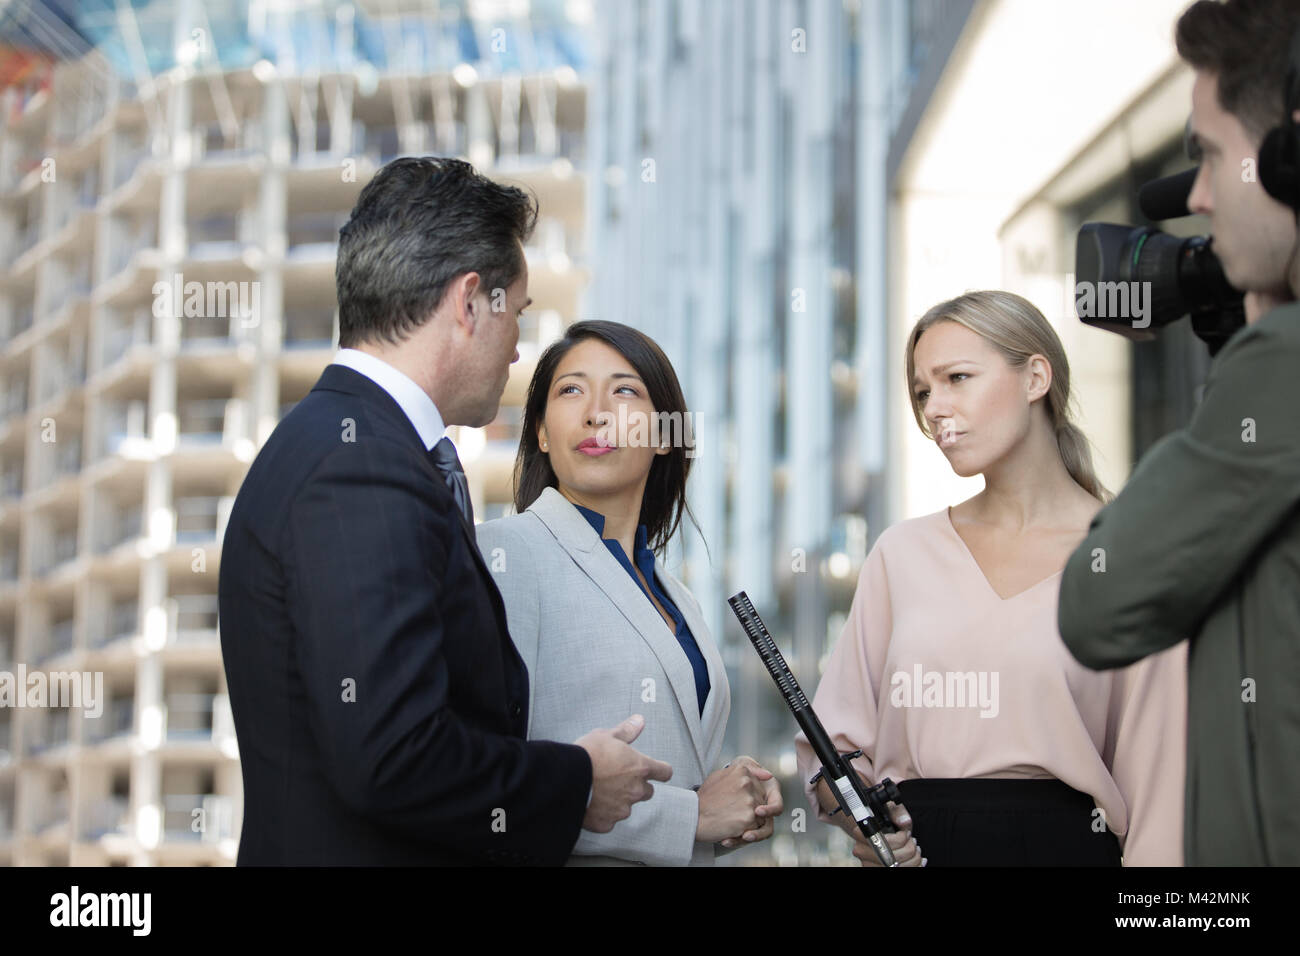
[{"x": 620, "y": 776}]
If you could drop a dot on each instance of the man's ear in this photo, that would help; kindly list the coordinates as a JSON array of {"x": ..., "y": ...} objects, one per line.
[{"x": 464, "y": 293}]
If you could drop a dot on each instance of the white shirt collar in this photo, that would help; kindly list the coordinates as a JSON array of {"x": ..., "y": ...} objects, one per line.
[{"x": 414, "y": 401}]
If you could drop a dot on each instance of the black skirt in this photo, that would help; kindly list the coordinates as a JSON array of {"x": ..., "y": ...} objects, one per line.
[{"x": 986, "y": 822}]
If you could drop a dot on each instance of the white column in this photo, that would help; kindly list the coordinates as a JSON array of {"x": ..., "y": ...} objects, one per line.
[
  {"x": 755, "y": 381},
  {"x": 808, "y": 397}
]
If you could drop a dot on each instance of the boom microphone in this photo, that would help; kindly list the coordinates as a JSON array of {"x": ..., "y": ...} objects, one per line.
[{"x": 866, "y": 805}]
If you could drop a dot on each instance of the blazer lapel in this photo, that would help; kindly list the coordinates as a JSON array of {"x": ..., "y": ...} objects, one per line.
[
  {"x": 582, "y": 543},
  {"x": 718, "y": 704}
]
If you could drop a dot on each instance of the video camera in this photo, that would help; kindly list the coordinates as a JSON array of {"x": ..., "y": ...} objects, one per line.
[{"x": 1135, "y": 279}]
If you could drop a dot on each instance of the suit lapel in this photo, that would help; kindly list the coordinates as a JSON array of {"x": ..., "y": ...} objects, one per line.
[
  {"x": 489, "y": 582},
  {"x": 341, "y": 378},
  {"x": 585, "y": 547}
]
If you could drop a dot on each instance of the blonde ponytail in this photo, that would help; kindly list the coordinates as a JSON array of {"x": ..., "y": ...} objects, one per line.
[{"x": 1077, "y": 456}]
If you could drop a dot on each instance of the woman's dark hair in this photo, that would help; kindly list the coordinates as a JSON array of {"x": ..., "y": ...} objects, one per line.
[
  {"x": 664, "y": 501},
  {"x": 417, "y": 225},
  {"x": 1246, "y": 43}
]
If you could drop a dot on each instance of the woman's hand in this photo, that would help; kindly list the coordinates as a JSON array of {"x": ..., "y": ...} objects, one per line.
[
  {"x": 906, "y": 851},
  {"x": 767, "y": 813},
  {"x": 737, "y": 804}
]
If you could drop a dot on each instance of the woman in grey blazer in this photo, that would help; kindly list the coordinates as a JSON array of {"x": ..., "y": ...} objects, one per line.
[{"x": 604, "y": 629}]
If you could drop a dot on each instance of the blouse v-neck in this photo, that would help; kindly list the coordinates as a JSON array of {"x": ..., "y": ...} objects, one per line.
[{"x": 946, "y": 518}]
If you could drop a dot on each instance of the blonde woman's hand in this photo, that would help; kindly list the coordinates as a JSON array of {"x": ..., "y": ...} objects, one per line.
[{"x": 901, "y": 842}]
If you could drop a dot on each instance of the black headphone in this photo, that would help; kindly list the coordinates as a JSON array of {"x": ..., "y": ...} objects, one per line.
[{"x": 1279, "y": 155}]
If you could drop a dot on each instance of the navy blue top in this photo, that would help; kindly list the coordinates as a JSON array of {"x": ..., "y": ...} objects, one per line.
[{"x": 645, "y": 560}]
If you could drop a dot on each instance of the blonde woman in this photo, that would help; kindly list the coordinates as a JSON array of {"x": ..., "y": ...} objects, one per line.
[{"x": 950, "y": 674}]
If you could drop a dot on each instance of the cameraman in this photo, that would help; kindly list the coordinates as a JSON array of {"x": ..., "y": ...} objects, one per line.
[{"x": 1203, "y": 543}]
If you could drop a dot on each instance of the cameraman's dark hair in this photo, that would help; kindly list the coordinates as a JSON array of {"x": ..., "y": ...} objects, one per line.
[
  {"x": 1246, "y": 44},
  {"x": 664, "y": 500},
  {"x": 417, "y": 225}
]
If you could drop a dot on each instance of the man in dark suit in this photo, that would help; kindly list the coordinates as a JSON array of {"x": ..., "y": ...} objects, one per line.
[{"x": 379, "y": 703}]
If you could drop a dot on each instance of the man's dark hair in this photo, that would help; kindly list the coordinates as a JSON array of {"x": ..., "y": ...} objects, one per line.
[
  {"x": 1246, "y": 44},
  {"x": 417, "y": 225},
  {"x": 664, "y": 500}
]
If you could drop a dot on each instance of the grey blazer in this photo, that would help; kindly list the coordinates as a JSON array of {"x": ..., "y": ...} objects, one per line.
[{"x": 597, "y": 651}]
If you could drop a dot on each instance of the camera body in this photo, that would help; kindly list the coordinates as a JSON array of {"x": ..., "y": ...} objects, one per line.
[{"x": 1133, "y": 280}]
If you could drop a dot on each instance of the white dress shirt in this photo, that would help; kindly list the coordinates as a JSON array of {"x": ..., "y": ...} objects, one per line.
[{"x": 414, "y": 401}]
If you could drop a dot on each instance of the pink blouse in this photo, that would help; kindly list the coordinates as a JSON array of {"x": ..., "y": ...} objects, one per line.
[{"x": 935, "y": 675}]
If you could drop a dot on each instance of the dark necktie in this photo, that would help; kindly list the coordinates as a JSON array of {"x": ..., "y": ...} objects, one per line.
[{"x": 444, "y": 458}]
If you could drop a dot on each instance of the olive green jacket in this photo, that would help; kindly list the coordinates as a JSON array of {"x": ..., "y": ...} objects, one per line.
[{"x": 1203, "y": 544}]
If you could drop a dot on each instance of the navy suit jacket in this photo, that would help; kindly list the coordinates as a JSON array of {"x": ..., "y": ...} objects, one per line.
[{"x": 379, "y": 703}]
